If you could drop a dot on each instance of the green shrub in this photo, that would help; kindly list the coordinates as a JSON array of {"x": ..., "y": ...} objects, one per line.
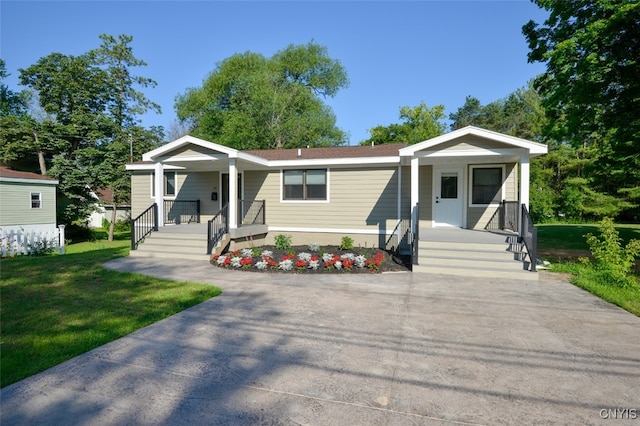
[
  {"x": 611, "y": 258},
  {"x": 283, "y": 242},
  {"x": 347, "y": 243}
]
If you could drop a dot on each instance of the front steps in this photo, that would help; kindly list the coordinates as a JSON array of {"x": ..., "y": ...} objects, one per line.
[
  {"x": 472, "y": 259},
  {"x": 173, "y": 246}
]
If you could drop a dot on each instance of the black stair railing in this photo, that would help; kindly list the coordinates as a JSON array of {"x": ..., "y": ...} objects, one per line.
[
  {"x": 181, "y": 211},
  {"x": 252, "y": 212},
  {"x": 415, "y": 234},
  {"x": 505, "y": 218},
  {"x": 529, "y": 236},
  {"x": 143, "y": 225},
  {"x": 217, "y": 227}
]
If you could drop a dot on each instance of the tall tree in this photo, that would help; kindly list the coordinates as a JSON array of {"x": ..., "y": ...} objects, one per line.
[
  {"x": 251, "y": 102},
  {"x": 93, "y": 106},
  {"x": 591, "y": 88},
  {"x": 418, "y": 124}
]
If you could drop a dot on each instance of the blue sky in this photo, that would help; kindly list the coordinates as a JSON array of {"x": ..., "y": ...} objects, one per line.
[{"x": 396, "y": 53}]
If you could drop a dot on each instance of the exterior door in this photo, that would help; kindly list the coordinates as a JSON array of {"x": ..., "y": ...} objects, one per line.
[{"x": 448, "y": 203}]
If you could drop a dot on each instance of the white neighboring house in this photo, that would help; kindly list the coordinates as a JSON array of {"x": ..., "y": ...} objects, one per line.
[
  {"x": 27, "y": 209},
  {"x": 104, "y": 206}
]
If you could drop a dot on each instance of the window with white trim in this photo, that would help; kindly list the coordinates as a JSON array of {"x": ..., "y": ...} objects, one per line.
[
  {"x": 36, "y": 200},
  {"x": 486, "y": 185},
  {"x": 169, "y": 184},
  {"x": 304, "y": 184}
]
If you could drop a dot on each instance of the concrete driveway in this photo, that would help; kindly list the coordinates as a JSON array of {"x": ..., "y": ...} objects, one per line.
[{"x": 392, "y": 349}]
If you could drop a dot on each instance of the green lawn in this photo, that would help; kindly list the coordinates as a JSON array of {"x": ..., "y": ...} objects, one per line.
[
  {"x": 563, "y": 244},
  {"x": 56, "y": 307}
]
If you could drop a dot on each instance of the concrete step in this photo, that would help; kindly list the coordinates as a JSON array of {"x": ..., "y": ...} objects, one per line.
[
  {"x": 168, "y": 255},
  {"x": 507, "y": 264},
  {"x": 475, "y": 272}
]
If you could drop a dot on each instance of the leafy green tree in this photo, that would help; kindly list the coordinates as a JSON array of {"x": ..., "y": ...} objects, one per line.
[
  {"x": 253, "y": 102},
  {"x": 92, "y": 106},
  {"x": 590, "y": 89},
  {"x": 419, "y": 124}
]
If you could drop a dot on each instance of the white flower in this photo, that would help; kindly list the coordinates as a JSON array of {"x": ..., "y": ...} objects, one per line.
[
  {"x": 327, "y": 257},
  {"x": 314, "y": 247},
  {"x": 359, "y": 261},
  {"x": 246, "y": 252},
  {"x": 304, "y": 256},
  {"x": 286, "y": 265},
  {"x": 313, "y": 264},
  {"x": 261, "y": 264},
  {"x": 235, "y": 261},
  {"x": 349, "y": 256},
  {"x": 338, "y": 265},
  {"x": 266, "y": 253},
  {"x": 221, "y": 260}
]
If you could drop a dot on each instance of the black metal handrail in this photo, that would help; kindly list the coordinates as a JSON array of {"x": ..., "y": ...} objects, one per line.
[
  {"x": 505, "y": 218},
  {"x": 217, "y": 227},
  {"x": 400, "y": 236},
  {"x": 416, "y": 233},
  {"x": 143, "y": 225},
  {"x": 529, "y": 235},
  {"x": 181, "y": 211},
  {"x": 252, "y": 213}
]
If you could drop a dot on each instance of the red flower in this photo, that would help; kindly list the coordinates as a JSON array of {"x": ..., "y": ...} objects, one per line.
[
  {"x": 301, "y": 264},
  {"x": 347, "y": 264},
  {"x": 314, "y": 258}
]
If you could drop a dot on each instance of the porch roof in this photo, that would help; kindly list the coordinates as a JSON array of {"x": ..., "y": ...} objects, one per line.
[{"x": 506, "y": 141}]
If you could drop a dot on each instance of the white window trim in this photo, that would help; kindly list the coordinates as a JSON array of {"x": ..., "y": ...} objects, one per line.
[
  {"x": 164, "y": 196},
  {"x": 502, "y": 187},
  {"x": 283, "y": 201},
  {"x": 39, "y": 200}
]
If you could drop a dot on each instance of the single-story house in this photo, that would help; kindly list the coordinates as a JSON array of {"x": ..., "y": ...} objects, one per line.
[
  {"x": 321, "y": 194},
  {"x": 27, "y": 201},
  {"x": 28, "y": 213},
  {"x": 104, "y": 207}
]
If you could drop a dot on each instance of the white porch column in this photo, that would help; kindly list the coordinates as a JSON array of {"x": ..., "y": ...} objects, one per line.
[
  {"x": 415, "y": 189},
  {"x": 399, "y": 207},
  {"x": 524, "y": 179},
  {"x": 159, "y": 190},
  {"x": 233, "y": 194}
]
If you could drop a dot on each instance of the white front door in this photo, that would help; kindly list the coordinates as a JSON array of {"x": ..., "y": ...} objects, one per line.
[{"x": 448, "y": 201}]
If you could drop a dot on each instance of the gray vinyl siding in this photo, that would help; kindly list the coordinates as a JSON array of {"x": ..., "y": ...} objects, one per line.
[
  {"x": 359, "y": 198},
  {"x": 478, "y": 217},
  {"x": 406, "y": 192},
  {"x": 199, "y": 186},
  {"x": 425, "y": 175},
  {"x": 140, "y": 192},
  {"x": 189, "y": 186},
  {"x": 15, "y": 199}
]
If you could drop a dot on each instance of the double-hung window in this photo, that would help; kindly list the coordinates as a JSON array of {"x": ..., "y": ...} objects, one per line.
[
  {"x": 169, "y": 184},
  {"x": 307, "y": 184},
  {"x": 36, "y": 200},
  {"x": 486, "y": 184}
]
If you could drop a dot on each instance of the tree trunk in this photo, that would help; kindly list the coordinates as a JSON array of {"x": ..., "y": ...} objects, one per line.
[
  {"x": 112, "y": 224},
  {"x": 43, "y": 164}
]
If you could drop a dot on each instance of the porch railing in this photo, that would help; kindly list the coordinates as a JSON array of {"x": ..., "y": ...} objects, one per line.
[
  {"x": 529, "y": 236},
  {"x": 251, "y": 212},
  {"x": 181, "y": 211},
  {"x": 143, "y": 225},
  {"x": 400, "y": 239},
  {"x": 415, "y": 235},
  {"x": 505, "y": 217},
  {"x": 217, "y": 227}
]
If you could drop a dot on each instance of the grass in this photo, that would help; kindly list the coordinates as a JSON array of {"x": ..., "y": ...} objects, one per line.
[
  {"x": 565, "y": 243},
  {"x": 57, "y": 307}
]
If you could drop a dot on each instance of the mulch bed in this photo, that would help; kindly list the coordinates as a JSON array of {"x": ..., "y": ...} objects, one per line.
[{"x": 390, "y": 262}]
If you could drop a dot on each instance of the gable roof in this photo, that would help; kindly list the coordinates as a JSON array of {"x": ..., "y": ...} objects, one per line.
[
  {"x": 326, "y": 153},
  {"x": 10, "y": 175},
  {"x": 533, "y": 147}
]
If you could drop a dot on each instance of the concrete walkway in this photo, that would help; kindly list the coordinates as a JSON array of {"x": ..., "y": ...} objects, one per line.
[{"x": 391, "y": 349}]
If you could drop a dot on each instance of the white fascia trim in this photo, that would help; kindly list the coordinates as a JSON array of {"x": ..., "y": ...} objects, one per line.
[
  {"x": 31, "y": 181},
  {"x": 212, "y": 157},
  {"x": 329, "y": 230},
  {"x": 335, "y": 161},
  {"x": 469, "y": 153},
  {"x": 151, "y": 155},
  {"x": 534, "y": 148},
  {"x": 250, "y": 158},
  {"x": 152, "y": 167}
]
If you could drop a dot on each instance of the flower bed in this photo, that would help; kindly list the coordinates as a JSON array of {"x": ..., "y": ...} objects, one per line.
[{"x": 303, "y": 260}]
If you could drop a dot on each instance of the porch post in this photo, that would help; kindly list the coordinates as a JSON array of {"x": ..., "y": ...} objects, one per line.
[
  {"x": 233, "y": 194},
  {"x": 159, "y": 189},
  {"x": 524, "y": 179},
  {"x": 415, "y": 190}
]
